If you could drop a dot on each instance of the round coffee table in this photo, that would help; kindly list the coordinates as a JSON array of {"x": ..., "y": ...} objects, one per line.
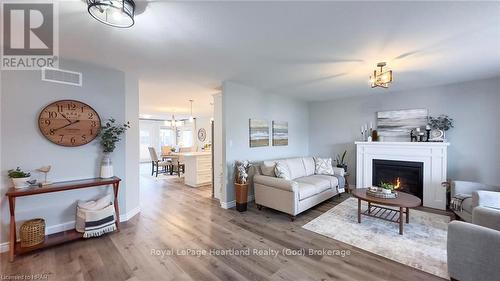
[{"x": 404, "y": 201}]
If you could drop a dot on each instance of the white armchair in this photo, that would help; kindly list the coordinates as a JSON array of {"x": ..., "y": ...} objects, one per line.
[{"x": 482, "y": 195}]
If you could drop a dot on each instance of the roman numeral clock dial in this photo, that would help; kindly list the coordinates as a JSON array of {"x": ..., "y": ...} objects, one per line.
[{"x": 69, "y": 123}]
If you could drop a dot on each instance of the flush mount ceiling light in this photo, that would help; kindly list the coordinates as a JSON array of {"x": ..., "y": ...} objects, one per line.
[
  {"x": 117, "y": 13},
  {"x": 381, "y": 78}
]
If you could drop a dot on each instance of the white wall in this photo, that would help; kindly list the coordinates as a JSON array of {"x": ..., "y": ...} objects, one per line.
[
  {"x": 240, "y": 103},
  {"x": 473, "y": 154},
  {"x": 23, "y": 96}
]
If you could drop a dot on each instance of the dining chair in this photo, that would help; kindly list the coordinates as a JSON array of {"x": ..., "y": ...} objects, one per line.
[{"x": 156, "y": 163}]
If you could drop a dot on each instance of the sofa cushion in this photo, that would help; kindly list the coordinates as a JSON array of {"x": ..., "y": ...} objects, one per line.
[
  {"x": 282, "y": 171},
  {"x": 267, "y": 168},
  {"x": 296, "y": 167},
  {"x": 334, "y": 181},
  {"x": 321, "y": 184},
  {"x": 309, "y": 165},
  {"x": 306, "y": 190},
  {"x": 323, "y": 166}
]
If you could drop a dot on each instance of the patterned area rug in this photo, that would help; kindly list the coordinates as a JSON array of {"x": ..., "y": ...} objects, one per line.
[{"x": 423, "y": 245}]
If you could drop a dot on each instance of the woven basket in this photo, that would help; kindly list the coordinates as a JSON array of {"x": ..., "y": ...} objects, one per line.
[
  {"x": 380, "y": 194},
  {"x": 32, "y": 232}
]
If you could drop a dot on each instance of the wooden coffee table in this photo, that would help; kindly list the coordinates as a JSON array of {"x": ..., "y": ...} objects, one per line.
[{"x": 404, "y": 201}]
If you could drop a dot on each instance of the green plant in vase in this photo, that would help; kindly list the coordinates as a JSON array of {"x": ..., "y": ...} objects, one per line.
[
  {"x": 341, "y": 163},
  {"x": 110, "y": 135},
  {"x": 19, "y": 177}
]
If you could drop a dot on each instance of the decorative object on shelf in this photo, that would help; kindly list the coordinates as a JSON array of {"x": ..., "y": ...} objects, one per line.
[
  {"x": 110, "y": 135},
  {"x": 399, "y": 123},
  {"x": 428, "y": 132},
  {"x": 32, "y": 232},
  {"x": 375, "y": 135},
  {"x": 69, "y": 123},
  {"x": 436, "y": 135},
  {"x": 280, "y": 133},
  {"x": 241, "y": 184},
  {"x": 202, "y": 134},
  {"x": 381, "y": 78},
  {"x": 443, "y": 123},
  {"x": 259, "y": 132},
  {"x": 116, "y": 13},
  {"x": 341, "y": 163},
  {"x": 19, "y": 177},
  {"x": 45, "y": 170}
]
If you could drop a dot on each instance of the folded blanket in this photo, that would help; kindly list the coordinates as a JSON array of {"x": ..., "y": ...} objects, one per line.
[
  {"x": 94, "y": 218},
  {"x": 457, "y": 201},
  {"x": 342, "y": 183}
]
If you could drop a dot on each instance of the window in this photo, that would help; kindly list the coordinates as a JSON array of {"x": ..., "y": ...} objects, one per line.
[
  {"x": 186, "y": 138},
  {"x": 167, "y": 137}
]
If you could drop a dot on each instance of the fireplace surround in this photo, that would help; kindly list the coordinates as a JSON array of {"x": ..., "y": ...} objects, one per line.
[{"x": 432, "y": 155}]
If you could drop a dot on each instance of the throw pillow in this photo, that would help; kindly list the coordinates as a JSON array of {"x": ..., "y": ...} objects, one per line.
[
  {"x": 282, "y": 171},
  {"x": 268, "y": 170},
  {"x": 323, "y": 166}
]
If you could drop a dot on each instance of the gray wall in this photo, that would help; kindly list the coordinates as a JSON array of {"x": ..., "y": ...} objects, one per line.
[
  {"x": 240, "y": 103},
  {"x": 23, "y": 96},
  {"x": 474, "y": 152}
]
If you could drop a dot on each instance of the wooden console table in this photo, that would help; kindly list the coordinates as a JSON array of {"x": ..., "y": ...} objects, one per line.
[{"x": 60, "y": 237}]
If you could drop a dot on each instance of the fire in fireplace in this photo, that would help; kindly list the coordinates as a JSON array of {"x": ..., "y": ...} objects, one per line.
[{"x": 406, "y": 176}]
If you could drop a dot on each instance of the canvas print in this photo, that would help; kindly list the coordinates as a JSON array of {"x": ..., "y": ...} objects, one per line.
[
  {"x": 259, "y": 133},
  {"x": 280, "y": 133},
  {"x": 399, "y": 123}
]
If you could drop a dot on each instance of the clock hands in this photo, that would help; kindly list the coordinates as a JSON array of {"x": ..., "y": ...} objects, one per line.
[
  {"x": 65, "y": 117},
  {"x": 66, "y": 125}
]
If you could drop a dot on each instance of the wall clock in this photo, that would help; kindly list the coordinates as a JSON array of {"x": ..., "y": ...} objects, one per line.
[
  {"x": 202, "y": 134},
  {"x": 69, "y": 123}
]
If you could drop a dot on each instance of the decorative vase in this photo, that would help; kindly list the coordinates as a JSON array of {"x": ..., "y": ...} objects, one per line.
[
  {"x": 106, "y": 166},
  {"x": 241, "y": 196},
  {"x": 20, "y": 182},
  {"x": 386, "y": 191}
]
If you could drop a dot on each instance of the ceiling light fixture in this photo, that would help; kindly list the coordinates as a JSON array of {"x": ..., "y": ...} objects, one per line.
[
  {"x": 191, "y": 118},
  {"x": 117, "y": 13},
  {"x": 381, "y": 78}
]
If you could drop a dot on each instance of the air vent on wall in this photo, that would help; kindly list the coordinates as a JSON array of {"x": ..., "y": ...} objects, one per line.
[{"x": 62, "y": 76}]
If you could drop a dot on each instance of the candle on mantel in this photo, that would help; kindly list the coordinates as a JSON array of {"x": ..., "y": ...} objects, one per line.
[
  {"x": 427, "y": 127},
  {"x": 418, "y": 130},
  {"x": 371, "y": 125}
]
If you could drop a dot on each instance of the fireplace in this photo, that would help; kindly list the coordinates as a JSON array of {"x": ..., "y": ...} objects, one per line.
[{"x": 408, "y": 174}]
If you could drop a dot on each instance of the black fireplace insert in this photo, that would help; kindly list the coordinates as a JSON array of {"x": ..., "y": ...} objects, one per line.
[{"x": 408, "y": 174}]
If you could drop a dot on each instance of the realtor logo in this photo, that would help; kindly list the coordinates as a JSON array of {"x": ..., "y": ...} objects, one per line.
[{"x": 30, "y": 35}]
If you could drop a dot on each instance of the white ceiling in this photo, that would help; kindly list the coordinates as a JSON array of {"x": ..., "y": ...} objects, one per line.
[{"x": 312, "y": 51}]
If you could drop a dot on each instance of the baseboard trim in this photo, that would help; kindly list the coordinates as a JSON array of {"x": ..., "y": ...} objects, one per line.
[
  {"x": 4, "y": 247},
  {"x": 232, "y": 204}
]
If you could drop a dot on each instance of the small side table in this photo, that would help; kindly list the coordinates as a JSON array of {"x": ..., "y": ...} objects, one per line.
[{"x": 346, "y": 177}]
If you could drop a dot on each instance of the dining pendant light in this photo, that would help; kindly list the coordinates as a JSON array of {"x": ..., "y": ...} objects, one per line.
[
  {"x": 117, "y": 13},
  {"x": 191, "y": 118}
]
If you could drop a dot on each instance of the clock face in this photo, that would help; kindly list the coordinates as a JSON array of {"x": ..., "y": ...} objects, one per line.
[
  {"x": 202, "y": 134},
  {"x": 69, "y": 123}
]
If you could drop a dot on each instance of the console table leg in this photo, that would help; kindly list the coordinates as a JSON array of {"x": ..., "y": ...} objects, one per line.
[
  {"x": 401, "y": 213},
  {"x": 359, "y": 210},
  {"x": 12, "y": 238},
  {"x": 117, "y": 210}
]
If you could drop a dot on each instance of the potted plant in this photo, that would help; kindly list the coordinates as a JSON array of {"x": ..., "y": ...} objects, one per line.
[
  {"x": 442, "y": 122},
  {"x": 341, "y": 161},
  {"x": 110, "y": 136},
  {"x": 241, "y": 184},
  {"x": 387, "y": 187},
  {"x": 19, "y": 177}
]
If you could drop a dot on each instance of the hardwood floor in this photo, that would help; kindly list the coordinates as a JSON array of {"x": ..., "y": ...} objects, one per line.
[{"x": 174, "y": 216}]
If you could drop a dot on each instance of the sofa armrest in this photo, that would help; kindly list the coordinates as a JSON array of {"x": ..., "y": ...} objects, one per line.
[
  {"x": 486, "y": 217},
  {"x": 472, "y": 252},
  {"x": 467, "y": 187},
  {"x": 484, "y": 198},
  {"x": 278, "y": 183},
  {"x": 338, "y": 171}
]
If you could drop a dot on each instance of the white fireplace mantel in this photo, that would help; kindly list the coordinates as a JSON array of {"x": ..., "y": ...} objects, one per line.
[{"x": 432, "y": 154}]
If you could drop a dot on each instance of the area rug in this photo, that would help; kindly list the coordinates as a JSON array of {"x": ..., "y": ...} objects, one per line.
[{"x": 423, "y": 245}]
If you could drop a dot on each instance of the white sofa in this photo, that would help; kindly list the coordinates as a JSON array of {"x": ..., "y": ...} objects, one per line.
[{"x": 303, "y": 191}]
